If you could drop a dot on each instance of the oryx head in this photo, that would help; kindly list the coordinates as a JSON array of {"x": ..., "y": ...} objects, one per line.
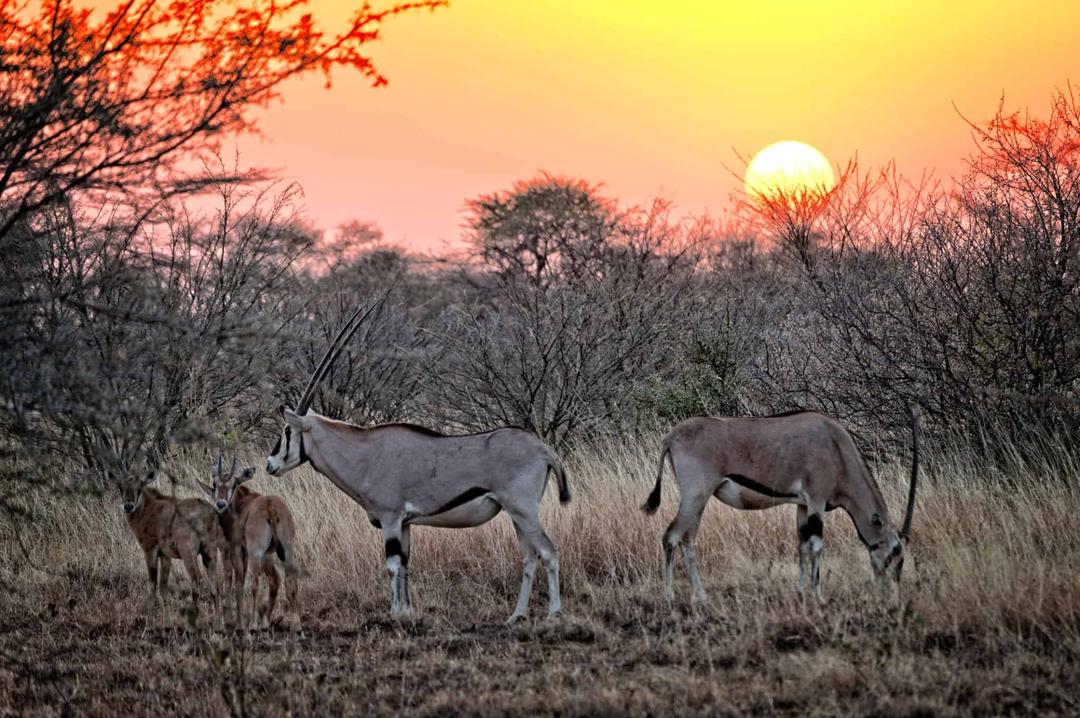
[
  {"x": 222, "y": 489},
  {"x": 131, "y": 484},
  {"x": 885, "y": 543},
  {"x": 289, "y": 452}
]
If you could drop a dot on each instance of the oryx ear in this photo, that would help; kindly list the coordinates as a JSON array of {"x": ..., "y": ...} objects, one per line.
[
  {"x": 297, "y": 422},
  {"x": 150, "y": 477},
  {"x": 208, "y": 488},
  {"x": 246, "y": 474}
]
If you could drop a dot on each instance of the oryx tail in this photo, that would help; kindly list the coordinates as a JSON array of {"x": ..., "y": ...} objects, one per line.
[
  {"x": 556, "y": 467},
  {"x": 653, "y": 502}
]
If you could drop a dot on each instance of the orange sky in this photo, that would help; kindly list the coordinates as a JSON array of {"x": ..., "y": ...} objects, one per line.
[{"x": 649, "y": 97}]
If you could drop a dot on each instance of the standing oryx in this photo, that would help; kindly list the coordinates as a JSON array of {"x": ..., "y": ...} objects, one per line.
[
  {"x": 405, "y": 475},
  {"x": 256, "y": 527},
  {"x": 802, "y": 458},
  {"x": 168, "y": 528}
]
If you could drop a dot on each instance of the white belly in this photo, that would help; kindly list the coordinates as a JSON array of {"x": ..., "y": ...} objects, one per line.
[{"x": 472, "y": 513}]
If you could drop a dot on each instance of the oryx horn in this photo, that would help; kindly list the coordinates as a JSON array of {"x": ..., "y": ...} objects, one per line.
[{"x": 344, "y": 335}]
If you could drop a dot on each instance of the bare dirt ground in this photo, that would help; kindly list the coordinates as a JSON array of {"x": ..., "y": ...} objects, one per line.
[{"x": 91, "y": 652}]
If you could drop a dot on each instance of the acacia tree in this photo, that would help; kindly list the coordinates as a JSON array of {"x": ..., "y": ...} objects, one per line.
[
  {"x": 966, "y": 303},
  {"x": 542, "y": 228},
  {"x": 578, "y": 305},
  {"x": 123, "y": 102},
  {"x": 119, "y": 312}
]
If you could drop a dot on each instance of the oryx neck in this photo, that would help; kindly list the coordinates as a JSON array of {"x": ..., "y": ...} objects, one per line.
[{"x": 337, "y": 450}]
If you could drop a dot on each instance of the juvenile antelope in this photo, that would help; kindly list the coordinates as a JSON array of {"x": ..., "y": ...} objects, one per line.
[
  {"x": 802, "y": 458},
  {"x": 257, "y": 527},
  {"x": 405, "y": 475},
  {"x": 168, "y": 528}
]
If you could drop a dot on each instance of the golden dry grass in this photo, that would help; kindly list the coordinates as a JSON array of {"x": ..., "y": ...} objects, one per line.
[{"x": 988, "y": 620}]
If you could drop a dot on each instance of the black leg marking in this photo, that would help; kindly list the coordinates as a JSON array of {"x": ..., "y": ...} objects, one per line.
[
  {"x": 393, "y": 547},
  {"x": 303, "y": 452},
  {"x": 812, "y": 527}
]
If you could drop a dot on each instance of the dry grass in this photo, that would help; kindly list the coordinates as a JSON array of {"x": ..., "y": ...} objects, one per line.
[{"x": 988, "y": 621}]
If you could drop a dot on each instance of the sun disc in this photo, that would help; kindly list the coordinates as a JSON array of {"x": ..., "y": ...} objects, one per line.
[{"x": 788, "y": 169}]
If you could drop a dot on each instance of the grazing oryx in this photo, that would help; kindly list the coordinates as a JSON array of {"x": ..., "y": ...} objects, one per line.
[
  {"x": 256, "y": 527},
  {"x": 168, "y": 528},
  {"x": 802, "y": 458},
  {"x": 405, "y": 475}
]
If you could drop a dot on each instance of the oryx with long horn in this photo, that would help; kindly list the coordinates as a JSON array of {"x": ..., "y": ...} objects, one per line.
[
  {"x": 802, "y": 458},
  {"x": 405, "y": 475}
]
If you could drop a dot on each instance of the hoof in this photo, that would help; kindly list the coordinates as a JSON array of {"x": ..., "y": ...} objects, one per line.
[
  {"x": 554, "y": 615},
  {"x": 514, "y": 619}
]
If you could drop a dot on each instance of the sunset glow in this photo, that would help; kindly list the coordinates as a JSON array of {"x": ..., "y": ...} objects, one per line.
[{"x": 647, "y": 98}]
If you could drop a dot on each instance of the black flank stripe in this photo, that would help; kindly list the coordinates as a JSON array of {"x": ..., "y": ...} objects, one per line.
[
  {"x": 473, "y": 493},
  {"x": 749, "y": 483}
]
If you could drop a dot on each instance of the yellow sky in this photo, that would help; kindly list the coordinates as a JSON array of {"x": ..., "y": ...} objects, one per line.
[{"x": 649, "y": 97}]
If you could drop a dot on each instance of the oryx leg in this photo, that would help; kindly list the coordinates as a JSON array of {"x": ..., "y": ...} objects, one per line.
[
  {"x": 292, "y": 589},
  {"x": 154, "y": 575},
  {"x": 191, "y": 565},
  {"x": 392, "y": 532},
  {"x": 690, "y": 558},
  {"x": 810, "y": 527},
  {"x": 271, "y": 573},
  {"x": 251, "y": 578},
  {"x": 209, "y": 562},
  {"x": 163, "y": 578},
  {"x": 526, "y": 518},
  {"x": 682, "y": 532},
  {"x": 528, "y": 573},
  {"x": 403, "y": 573},
  {"x": 238, "y": 569}
]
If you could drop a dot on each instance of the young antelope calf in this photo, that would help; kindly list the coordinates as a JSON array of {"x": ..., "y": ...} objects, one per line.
[
  {"x": 168, "y": 528},
  {"x": 256, "y": 527}
]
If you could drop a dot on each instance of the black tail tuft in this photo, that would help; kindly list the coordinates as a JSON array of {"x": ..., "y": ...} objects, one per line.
[
  {"x": 653, "y": 502},
  {"x": 279, "y": 550}
]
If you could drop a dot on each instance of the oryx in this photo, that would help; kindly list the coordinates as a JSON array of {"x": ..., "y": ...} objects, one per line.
[
  {"x": 257, "y": 527},
  {"x": 405, "y": 475},
  {"x": 802, "y": 458}
]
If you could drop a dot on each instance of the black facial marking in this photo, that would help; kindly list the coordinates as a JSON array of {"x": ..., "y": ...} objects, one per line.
[
  {"x": 303, "y": 452},
  {"x": 473, "y": 493},
  {"x": 748, "y": 483},
  {"x": 375, "y": 522},
  {"x": 393, "y": 547},
  {"x": 288, "y": 438},
  {"x": 277, "y": 447},
  {"x": 812, "y": 527}
]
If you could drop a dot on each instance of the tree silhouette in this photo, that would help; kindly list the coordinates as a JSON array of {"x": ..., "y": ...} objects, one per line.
[{"x": 121, "y": 103}]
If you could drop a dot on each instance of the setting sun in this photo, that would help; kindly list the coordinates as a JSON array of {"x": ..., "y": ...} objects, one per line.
[{"x": 786, "y": 169}]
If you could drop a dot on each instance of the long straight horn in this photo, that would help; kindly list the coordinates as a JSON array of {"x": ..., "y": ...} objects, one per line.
[
  {"x": 232, "y": 468},
  {"x": 906, "y": 528},
  {"x": 343, "y": 336},
  {"x": 220, "y": 457}
]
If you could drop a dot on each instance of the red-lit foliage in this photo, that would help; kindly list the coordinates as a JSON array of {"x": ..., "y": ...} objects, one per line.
[{"x": 118, "y": 101}]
